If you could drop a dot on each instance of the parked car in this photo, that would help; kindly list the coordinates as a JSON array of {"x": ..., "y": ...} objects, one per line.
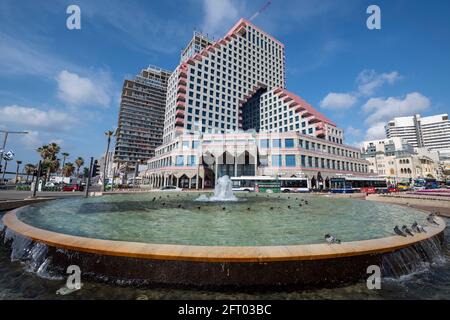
[
  {"x": 393, "y": 189},
  {"x": 171, "y": 189},
  {"x": 72, "y": 187}
]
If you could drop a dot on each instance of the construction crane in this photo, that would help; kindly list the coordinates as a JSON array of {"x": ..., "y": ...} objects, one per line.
[{"x": 264, "y": 8}]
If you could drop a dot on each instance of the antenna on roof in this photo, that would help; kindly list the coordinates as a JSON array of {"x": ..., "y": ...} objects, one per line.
[{"x": 263, "y": 8}]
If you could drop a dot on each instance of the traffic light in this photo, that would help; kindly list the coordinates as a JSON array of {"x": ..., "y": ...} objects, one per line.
[{"x": 95, "y": 169}]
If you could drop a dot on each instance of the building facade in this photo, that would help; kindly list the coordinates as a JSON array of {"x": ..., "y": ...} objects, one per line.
[
  {"x": 196, "y": 161},
  {"x": 398, "y": 161},
  {"x": 141, "y": 116},
  {"x": 228, "y": 112},
  {"x": 432, "y": 132}
]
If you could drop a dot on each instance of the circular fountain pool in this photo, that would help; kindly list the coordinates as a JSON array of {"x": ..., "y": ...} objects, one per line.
[
  {"x": 259, "y": 240},
  {"x": 252, "y": 221}
]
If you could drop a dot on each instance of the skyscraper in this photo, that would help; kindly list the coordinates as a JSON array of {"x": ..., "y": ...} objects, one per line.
[
  {"x": 432, "y": 132},
  {"x": 141, "y": 116}
]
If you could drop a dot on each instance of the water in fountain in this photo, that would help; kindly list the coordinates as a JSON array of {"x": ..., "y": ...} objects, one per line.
[{"x": 222, "y": 193}]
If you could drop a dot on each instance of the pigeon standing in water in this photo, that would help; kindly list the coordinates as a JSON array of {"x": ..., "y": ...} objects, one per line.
[
  {"x": 399, "y": 232},
  {"x": 331, "y": 239},
  {"x": 407, "y": 231}
]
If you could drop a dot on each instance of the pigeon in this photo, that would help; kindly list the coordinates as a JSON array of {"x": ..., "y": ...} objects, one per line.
[
  {"x": 418, "y": 228},
  {"x": 399, "y": 232},
  {"x": 407, "y": 231},
  {"x": 431, "y": 220},
  {"x": 330, "y": 239}
]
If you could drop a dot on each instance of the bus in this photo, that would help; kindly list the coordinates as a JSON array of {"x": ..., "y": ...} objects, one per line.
[
  {"x": 294, "y": 185},
  {"x": 270, "y": 184},
  {"x": 248, "y": 184},
  {"x": 358, "y": 184}
]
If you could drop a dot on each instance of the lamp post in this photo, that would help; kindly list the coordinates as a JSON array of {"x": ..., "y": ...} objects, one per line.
[
  {"x": 109, "y": 135},
  {"x": 6, "y": 133},
  {"x": 17, "y": 170}
]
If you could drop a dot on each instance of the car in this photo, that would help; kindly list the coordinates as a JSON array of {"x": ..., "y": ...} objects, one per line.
[
  {"x": 393, "y": 189},
  {"x": 171, "y": 189},
  {"x": 72, "y": 188}
]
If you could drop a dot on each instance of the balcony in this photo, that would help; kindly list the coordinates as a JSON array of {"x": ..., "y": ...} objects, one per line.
[
  {"x": 293, "y": 104},
  {"x": 181, "y": 105},
  {"x": 181, "y": 89},
  {"x": 181, "y": 97},
  {"x": 278, "y": 90},
  {"x": 300, "y": 108},
  {"x": 191, "y": 62},
  {"x": 287, "y": 99},
  {"x": 179, "y": 122},
  {"x": 313, "y": 120},
  {"x": 180, "y": 113}
]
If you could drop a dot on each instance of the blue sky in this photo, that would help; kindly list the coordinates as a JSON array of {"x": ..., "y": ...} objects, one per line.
[{"x": 65, "y": 86}]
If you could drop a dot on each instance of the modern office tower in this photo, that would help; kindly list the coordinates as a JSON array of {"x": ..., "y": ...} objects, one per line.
[
  {"x": 228, "y": 113},
  {"x": 141, "y": 116},
  {"x": 432, "y": 132}
]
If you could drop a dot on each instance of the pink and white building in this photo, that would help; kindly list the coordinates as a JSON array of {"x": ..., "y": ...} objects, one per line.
[{"x": 226, "y": 98}]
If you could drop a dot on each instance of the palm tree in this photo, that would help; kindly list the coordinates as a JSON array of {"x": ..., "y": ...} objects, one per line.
[
  {"x": 29, "y": 169},
  {"x": 50, "y": 162},
  {"x": 68, "y": 169},
  {"x": 79, "y": 163},
  {"x": 65, "y": 156}
]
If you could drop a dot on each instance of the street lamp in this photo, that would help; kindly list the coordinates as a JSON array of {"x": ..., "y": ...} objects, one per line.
[
  {"x": 6, "y": 133},
  {"x": 105, "y": 165}
]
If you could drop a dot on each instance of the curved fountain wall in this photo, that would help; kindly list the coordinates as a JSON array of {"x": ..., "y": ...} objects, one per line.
[{"x": 49, "y": 254}]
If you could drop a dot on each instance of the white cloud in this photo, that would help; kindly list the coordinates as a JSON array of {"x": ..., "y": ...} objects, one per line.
[
  {"x": 376, "y": 131},
  {"x": 79, "y": 91},
  {"x": 220, "y": 15},
  {"x": 338, "y": 101},
  {"x": 32, "y": 140},
  {"x": 32, "y": 118},
  {"x": 353, "y": 132},
  {"x": 383, "y": 110},
  {"x": 369, "y": 81}
]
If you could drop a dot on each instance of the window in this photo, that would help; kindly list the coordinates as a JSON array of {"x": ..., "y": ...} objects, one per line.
[
  {"x": 179, "y": 161},
  {"x": 290, "y": 160},
  {"x": 191, "y": 161},
  {"x": 264, "y": 143},
  {"x": 276, "y": 143},
  {"x": 195, "y": 144},
  {"x": 276, "y": 161},
  {"x": 289, "y": 143},
  {"x": 186, "y": 144}
]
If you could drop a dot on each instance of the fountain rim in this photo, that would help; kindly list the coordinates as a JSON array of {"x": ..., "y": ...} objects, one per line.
[{"x": 219, "y": 254}]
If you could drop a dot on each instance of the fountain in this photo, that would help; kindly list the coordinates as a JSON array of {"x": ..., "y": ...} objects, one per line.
[
  {"x": 172, "y": 240},
  {"x": 223, "y": 192}
]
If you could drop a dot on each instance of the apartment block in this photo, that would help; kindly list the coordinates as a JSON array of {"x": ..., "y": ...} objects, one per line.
[{"x": 141, "y": 116}]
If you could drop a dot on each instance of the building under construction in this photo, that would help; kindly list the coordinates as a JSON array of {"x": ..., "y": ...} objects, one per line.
[{"x": 141, "y": 116}]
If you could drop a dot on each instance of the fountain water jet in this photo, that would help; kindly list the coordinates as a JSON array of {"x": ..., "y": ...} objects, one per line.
[{"x": 223, "y": 192}]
